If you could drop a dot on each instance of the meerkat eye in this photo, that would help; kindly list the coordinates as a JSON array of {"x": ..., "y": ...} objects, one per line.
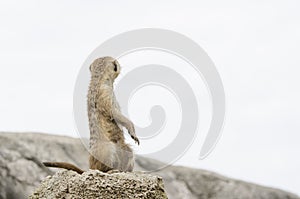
[{"x": 116, "y": 67}]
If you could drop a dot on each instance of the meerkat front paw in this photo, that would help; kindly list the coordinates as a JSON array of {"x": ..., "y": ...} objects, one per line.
[
  {"x": 134, "y": 137},
  {"x": 131, "y": 131}
]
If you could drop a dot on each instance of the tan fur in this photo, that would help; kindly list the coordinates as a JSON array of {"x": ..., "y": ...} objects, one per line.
[{"x": 108, "y": 150}]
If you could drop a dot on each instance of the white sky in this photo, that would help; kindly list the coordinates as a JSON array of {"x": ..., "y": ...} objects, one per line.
[{"x": 254, "y": 44}]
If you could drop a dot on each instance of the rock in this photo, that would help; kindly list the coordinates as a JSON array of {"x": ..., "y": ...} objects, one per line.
[
  {"x": 208, "y": 185},
  {"x": 21, "y": 155},
  {"x": 96, "y": 184},
  {"x": 21, "y": 170}
]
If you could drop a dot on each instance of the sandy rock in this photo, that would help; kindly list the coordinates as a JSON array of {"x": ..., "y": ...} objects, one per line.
[{"x": 95, "y": 184}]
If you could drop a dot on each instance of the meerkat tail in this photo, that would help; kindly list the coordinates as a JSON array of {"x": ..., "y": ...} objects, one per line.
[{"x": 63, "y": 165}]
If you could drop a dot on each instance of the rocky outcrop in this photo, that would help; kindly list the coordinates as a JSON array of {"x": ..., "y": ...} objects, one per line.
[
  {"x": 95, "y": 184},
  {"x": 21, "y": 170},
  {"x": 183, "y": 182}
]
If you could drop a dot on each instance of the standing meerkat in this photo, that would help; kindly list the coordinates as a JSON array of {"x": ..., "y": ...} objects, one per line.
[{"x": 108, "y": 150}]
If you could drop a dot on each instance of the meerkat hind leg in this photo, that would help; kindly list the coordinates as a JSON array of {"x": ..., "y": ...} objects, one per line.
[
  {"x": 103, "y": 157},
  {"x": 126, "y": 155},
  {"x": 113, "y": 171}
]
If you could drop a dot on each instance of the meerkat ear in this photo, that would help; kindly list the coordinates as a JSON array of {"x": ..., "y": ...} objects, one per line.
[{"x": 91, "y": 67}]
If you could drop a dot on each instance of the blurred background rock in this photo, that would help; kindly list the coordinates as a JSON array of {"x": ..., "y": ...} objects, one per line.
[{"x": 21, "y": 170}]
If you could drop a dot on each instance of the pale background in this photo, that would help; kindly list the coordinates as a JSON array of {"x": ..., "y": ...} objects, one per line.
[{"x": 254, "y": 44}]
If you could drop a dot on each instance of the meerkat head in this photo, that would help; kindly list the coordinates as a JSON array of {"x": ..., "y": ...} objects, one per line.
[{"x": 105, "y": 68}]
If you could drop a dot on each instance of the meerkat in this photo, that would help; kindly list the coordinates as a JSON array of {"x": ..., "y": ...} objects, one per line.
[{"x": 108, "y": 150}]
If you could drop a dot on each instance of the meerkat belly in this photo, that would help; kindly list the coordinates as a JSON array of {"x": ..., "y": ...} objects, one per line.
[{"x": 112, "y": 131}]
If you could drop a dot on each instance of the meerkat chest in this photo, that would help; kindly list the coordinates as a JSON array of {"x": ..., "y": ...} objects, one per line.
[{"x": 107, "y": 98}]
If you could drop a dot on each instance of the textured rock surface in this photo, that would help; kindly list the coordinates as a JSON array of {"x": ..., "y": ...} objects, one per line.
[
  {"x": 21, "y": 170},
  {"x": 95, "y": 184}
]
